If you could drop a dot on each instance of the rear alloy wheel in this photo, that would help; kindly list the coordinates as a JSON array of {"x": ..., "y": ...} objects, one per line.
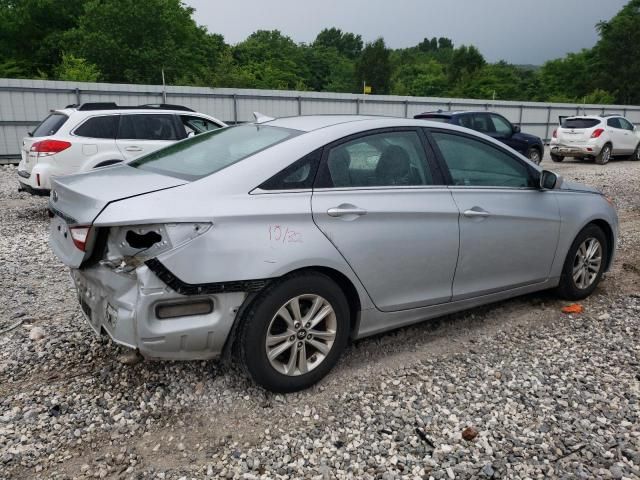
[
  {"x": 294, "y": 332},
  {"x": 584, "y": 265},
  {"x": 534, "y": 155},
  {"x": 557, "y": 158},
  {"x": 604, "y": 156},
  {"x": 636, "y": 154}
]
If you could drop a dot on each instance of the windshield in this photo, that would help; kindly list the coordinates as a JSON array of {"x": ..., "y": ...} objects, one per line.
[{"x": 210, "y": 152}]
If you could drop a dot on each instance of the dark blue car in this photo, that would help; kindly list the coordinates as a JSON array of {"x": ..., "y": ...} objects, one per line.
[{"x": 495, "y": 126}]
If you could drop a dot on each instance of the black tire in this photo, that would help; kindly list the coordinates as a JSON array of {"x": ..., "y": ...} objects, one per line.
[
  {"x": 605, "y": 154},
  {"x": 257, "y": 320},
  {"x": 535, "y": 155},
  {"x": 636, "y": 154},
  {"x": 557, "y": 158},
  {"x": 568, "y": 288}
]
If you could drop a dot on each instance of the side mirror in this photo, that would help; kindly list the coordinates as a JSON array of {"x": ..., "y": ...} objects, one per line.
[
  {"x": 549, "y": 180},
  {"x": 191, "y": 134},
  {"x": 516, "y": 129},
  {"x": 30, "y": 134}
]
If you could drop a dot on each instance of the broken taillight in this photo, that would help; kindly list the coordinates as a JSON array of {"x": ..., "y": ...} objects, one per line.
[{"x": 79, "y": 236}]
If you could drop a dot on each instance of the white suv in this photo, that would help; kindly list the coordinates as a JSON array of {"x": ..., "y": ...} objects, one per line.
[
  {"x": 80, "y": 138},
  {"x": 599, "y": 137}
]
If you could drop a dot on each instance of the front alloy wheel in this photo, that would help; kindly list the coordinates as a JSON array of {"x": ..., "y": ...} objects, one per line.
[
  {"x": 584, "y": 265},
  {"x": 301, "y": 334},
  {"x": 587, "y": 263}
]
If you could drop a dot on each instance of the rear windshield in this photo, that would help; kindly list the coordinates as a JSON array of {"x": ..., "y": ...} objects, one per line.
[
  {"x": 50, "y": 125},
  {"x": 210, "y": 152},
  {"x": 580, "y": 122}
]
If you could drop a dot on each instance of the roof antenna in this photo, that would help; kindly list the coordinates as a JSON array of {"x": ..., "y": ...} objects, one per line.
[{"x": 261, "y": 118}]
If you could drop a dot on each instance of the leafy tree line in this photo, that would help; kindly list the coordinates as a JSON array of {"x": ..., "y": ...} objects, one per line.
[{"x": 118, "y": 41}]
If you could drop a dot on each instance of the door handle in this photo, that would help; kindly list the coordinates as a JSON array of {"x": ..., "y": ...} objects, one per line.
[
  {"x": 133, "y": 149},
  {"x": 344, "y": 210},
  {"x": 476, "y": 213}
]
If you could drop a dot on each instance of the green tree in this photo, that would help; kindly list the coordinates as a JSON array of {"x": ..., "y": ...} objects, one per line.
[
  {"x": 76, "y": 69},
  {"x": 347, "y": 44},
  {"x": 373, "y": 67},
  {"x": 617, "y": 54},
  {"x": 31, "y": 34},
  {"x": 426, "y": 78},
  {"x": 329, "y": 70},
  {"x": 501, "y": 81},
  {"x": 568, "y": 78},
  {"x": 128, "y": 44},
  {"x": 466, "y": 60},
  {"x": 273, "y": 59}
]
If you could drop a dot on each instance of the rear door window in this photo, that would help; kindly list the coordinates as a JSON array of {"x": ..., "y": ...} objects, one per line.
[
  {"x": 482, "y": 123},
  {"x": 148, "y": 127},
  {"x": 580, "y": 122},
  {"x": 98, "y": 127},
  {"x": 379, "y": 160},
  {"x": 466, "y": 121},
  {"x": 50, "y": 125}
]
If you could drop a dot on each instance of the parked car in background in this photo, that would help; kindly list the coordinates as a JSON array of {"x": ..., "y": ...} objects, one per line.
[
  {"x": 595, "y": 137},
  {"x": 281, "y": 239},
  {"x": 494, "y": 125},
  {"x": 80, "y": 138}
]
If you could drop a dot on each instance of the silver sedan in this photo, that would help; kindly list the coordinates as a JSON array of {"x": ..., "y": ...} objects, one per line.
[{"x": 280, "y": 240}]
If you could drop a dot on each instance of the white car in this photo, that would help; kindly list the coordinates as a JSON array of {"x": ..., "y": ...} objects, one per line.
[
  {"x": 80, "y": 138},
  {"x": 598, "y": 137}
]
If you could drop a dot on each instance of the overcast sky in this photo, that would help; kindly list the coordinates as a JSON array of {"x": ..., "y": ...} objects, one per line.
[{"x": 519, "y": 31}]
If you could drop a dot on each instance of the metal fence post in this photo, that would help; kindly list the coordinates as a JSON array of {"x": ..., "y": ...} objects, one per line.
[
  {"x": 546, "y": 134},
  {"x": 406, "y": 109},
  {"x": 357, "y": 106},
  {"x": 235, "y": 109},
  {"x": 77, "y": 96},
  {"x": 521, "y": 111},
  {"x": 299, "y": 105}
]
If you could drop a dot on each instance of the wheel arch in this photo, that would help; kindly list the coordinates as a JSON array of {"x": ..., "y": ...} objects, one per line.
[
  {"x": 345, "y": 284},
  {"x": 106, "y": 163}
]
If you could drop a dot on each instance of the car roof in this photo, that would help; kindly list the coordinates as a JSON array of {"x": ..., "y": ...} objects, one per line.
[
  {"x": 69, "y": 111},
  {"x": 590, "y": 117},
  {"x": 451, "y": 113},
  {"x": 308, "y": 123}
]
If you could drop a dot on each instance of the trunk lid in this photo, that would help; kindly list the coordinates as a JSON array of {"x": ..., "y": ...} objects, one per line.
[
  {"x": 78, "y": 199},
  {"x": 573, "y": 135}
]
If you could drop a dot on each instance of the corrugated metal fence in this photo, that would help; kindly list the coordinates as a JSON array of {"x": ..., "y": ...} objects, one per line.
[{"x": 24, "y": 103}]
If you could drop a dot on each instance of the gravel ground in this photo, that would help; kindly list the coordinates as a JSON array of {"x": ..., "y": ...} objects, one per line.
[{"x": 512, "y": 390}]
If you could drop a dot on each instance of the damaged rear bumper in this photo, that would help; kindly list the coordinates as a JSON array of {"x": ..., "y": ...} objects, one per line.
[{"x": 124, "y": 306}]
